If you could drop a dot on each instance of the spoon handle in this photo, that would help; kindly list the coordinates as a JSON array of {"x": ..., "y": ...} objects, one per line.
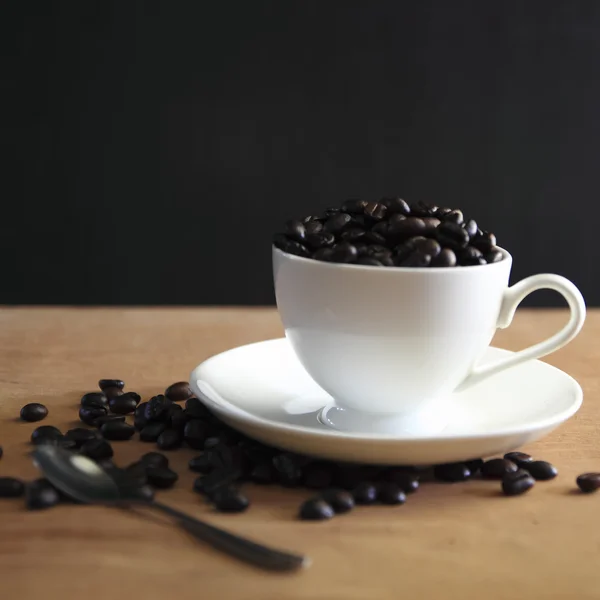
[{"x": 242, "y": 548}]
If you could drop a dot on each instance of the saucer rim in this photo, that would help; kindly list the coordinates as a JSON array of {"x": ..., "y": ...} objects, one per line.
[{"x": 225, "y": 406}]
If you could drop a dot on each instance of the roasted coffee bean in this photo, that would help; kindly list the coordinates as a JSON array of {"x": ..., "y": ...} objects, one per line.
[
  {"x": 397, "y": 206},
  {"x": 169, "y": 439},
  {"x": 452, "y": 472},
  {"x": 89, "y": 415},
  {"x": 97, "y": 449},
  {"x": 474, "y": 465},
  {"x": 347, "y": 476},
  {"x": 332, "y": 210},
  {"x": 470, "y": 256},
  {"x": 420, "y": 209},
  {"x": 371, "y": 237},
  {"x": 195, "y": 409},
  {"x": 288, "y": 470},
  {"x": 151, "y": 431},
  {"x": 497, "y": 468},
  {"x": 80, "y": 435},
  {"x": 390, "y": 493},
  {"x": 380, "y": 253},
  {"x": 375, "y": 211},
  {"x": 157, "y": 408},
  {"x": 352, "y": 235},
  {"x": 517, "y": 482},
  {"x": 136, "y": 474},
  {"x": 446, "y": 258},
  {"x": 586, "y": 482},
  {"x": 484, "y": 241},
  {"x": 316, "y": 509},
  {"x": 367, "y": 261},
  {"x": 112, "y": 392},
  {"x": 294, "y": 230},
  {"x": 365, "y": 493},
  {"x": 124, "y": 404},
  {"x": 107, "y": 419},
  {"x": 34, "y": 412},
  {"x": 324, "y": 255},
  {"x": 106, "y": 464},
  {"x": 292, "y": 247},
  {"x": 46, "y": 434},
  {"x": 313, "y": 227},
  {"x": 519, "y": 458},
  {"x": 409, "y": 483},
  {"x": 41, "y": 494},
  {"x": 215, "y": 480},
  {"x": 354, "y": 206},
  {"x": 452, "y": 235},
  {"x": 139, "y": 416},
  {"x": 317, "y": 476},
  {"x": 494, "y": 256},
  {"x": 11, "y": 487},
  {"x": 340, "y": 500},
  {"x": 154, "y": 459},
  {"x": 263, "y": 474},
  {"x": 416, "y": 259},
  {"x": 230, "y": 500},
  {"x": 454, "y": 216},
  {"x": 195, "y": 433},
  {"x": 204, "y": 463},
  {"x": 178, "y": 392},
  {"x": 161, "y": 477},
  {"x": 94, "y": 400},
  {"x": 1, "y": 451},
  {"x": 335, "y": 223},
  {"x": 428, "y": 246},
  {"x": 319, "y": 240},
  {"x": 540, "y": 470},
  {"x": 344, "y": 252},
  {"x": 116, "y": 430},
  {"x": 178, "y": 418},
  {"x": 109, "y": 383},
  {"x": 406, "y": 228},
  {"x": 442, "y": 211},
  {"x": 471, "y": 228}
]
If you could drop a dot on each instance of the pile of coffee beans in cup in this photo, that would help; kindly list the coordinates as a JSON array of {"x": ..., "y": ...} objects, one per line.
[
  {"x": 227, "y": 459},
  {"x": 390, "y": 233}
]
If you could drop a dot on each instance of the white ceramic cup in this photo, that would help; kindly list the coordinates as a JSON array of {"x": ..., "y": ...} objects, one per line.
[{"x": 392, "y": 344}]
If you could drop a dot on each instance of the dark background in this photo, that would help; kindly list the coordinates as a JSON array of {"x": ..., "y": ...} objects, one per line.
[{"x": 152, "y": 148}]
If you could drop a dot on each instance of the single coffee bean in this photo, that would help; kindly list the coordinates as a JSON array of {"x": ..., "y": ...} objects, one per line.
[
  {"x": 586, "y": 482},
  {"x": 452, "y": 235},
  {"x": 94, "y": 400},
  {"x": 540, "y": 470},
  {"x": 344, "y": 252},
  {"x": 80, "y": 435},
  {"x": 41, "y": 494},
  {"x": 471, "y": 228},
  {"x": 442, "y": 211},
  {"x": 446, "y": 258},
  {"x": 519, "y": 458},
  {"x": 169, "y": 439},
  {"x": 116, "y": 430},
  {"x": 178, "y": 418},
  {"x": 11, "y": 487},
  {"x": 375, "y": 211},
  {"x": 124, "y": 404},
  {"x": 89, "y": 415},
  {"x": 397, "y": 206},
  {"x": 112, "y": 392},
  {"x": 46, "y": 434},
  {"x": 310, "y": 218},
  {"x": 195, "y": 409},
  {"x": 161, "y": 477},
  {"x": 340, "y": 500},
  {"x": 390, "y": 493},
  {"x": 288, "y": 470},
  {"x": 484, "y": 241},
  {"x": 367, "y": 261},
  {"x": 109, "y": 383},
  {"x": 195, "y": 433},
  {"x": 406, "y": 228},
  {"x": 108, "y": 419},
  {"x": 135, "y": 474},
  {"x": 204, "y": 463},
  {"x": 97, "y": 449},
  {"x": 151, "y": 431},
  {"x": 34, "y": 412},
  {"x": 354, "y": 206},
  {"x": 335, "y": 223},
  {"x": 324, "y": 255},
  {"x": 297, "y": 249},
  {"x": 139, "y": 416},
  {"x": 294, "y": 230},
  {"x": 470, "y": 256},
  {"x": 497, "y": 468},
  {"x": 428, "y": 246},
  {"x": 178, "y": 392},
  {"x": 313, "y": 227},
  {"x": 494, "y": 256},
  {"x": 319, "y": 240},
  {"x": 517, "y": 482},
  {"x": 230, "y": 500},
  {"x": 454, "y": 216},
  {"x": 217, "y": 479},
  {"x": 157, "y": 408},
  {"x": 263, "y": 474},
  {"x": 365, "y": 493},
  {"x": 420, "y": 209},
  {"x": 316, "y": 509},
  {"x": 416, "y": 259},
  {"x": 154, "y": 459},
  {"x": 452, "y": 472},
  {"x": 408, "y": 482},
  {"x": 475, "y": 465}
]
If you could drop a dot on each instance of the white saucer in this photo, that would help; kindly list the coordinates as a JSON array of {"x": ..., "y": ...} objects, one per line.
[{"x": 262, "y": 390}]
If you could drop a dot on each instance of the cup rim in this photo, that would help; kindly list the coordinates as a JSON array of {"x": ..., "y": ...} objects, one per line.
[{"x": 345, "y": 266}]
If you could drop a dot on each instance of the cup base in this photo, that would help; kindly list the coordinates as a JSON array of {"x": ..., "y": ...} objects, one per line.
[{"x": 431, "y": 419}]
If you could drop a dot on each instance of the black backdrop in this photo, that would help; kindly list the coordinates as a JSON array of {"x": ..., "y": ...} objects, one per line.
[{"x": 152, "y": 148}]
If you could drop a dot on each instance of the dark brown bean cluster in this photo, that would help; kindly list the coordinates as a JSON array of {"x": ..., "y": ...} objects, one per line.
[{"x": 390, "y": 233}]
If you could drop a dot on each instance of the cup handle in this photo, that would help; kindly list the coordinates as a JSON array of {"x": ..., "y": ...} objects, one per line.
[{"x": 513, "y": 296}]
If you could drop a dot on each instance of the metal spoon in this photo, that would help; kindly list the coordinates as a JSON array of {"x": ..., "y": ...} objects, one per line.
[{"x": 82, "y": 479}]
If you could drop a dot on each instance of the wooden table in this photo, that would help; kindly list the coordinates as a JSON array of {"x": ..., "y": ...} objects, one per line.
[{"x": 458, "y": 541}]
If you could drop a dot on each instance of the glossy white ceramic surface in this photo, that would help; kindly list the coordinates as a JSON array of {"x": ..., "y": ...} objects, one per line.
[{"x": 263, "y": 390}]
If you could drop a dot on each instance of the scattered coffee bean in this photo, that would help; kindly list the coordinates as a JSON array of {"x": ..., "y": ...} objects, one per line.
[
  {"x": 214, "y": 481},
  {"x": 177, "y": 392},
  {"x": 230, "y": 500},
  {"x": 497, "y": 468},
  {"x": 204, "y": 463},
  {"x": 263, "y": 474},
  {"x": 161, "y": 477},
  {"x": 98, "y": 449},
  {"x": 195, "y": 433},
  {"x": 475, "y": 465},
  {"x": 340, "y": 500},
  {"x": 139, "y": 416},
  {"x": 94, "y": 400},
  {"x": 110, "y": 383},
  {"x": 34, "y": 412},
  {"x": 80, "y": 435},
  {"x": 151, "y": 431},
  {"x": 108, "y": 419},
  {"x": 316, "y": 509},
  {"x": 317, "y": 476},
  {"x": 11, "y": 487},
  {"x": 452, "y": 472},
  {"x": 124, "y": 404},
  {"x": 112, "y": 392},
  {"x": 408, "y": 482},
  {"x": 195, "y": 409},
  {"x": 89, "y": 415},
  {"x": 136, "y": 474},
  {"x": 517, "y": 482},
  {"x": 116, "y": 430},
  {"x": 588, "y": 482},
  {"x": 46, "y": 434},
  {"x": 390, "y": 493},
  {"x": 178, "y": 418},
  {"x": 288, "y": 470},
  {"x": 365, "y": 493},
  {"x": 157, "y": 408},
  {"x": 540, "y": 470},
  {"x": 169, "y": 439},
  {"x": 519, "y": 458},
  {"x": 154, "y": 459},
  {"x": 41, "y": 494}
]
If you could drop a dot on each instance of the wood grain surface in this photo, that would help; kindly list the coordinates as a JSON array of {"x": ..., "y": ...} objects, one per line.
[{"x": 460, "y": 541}]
